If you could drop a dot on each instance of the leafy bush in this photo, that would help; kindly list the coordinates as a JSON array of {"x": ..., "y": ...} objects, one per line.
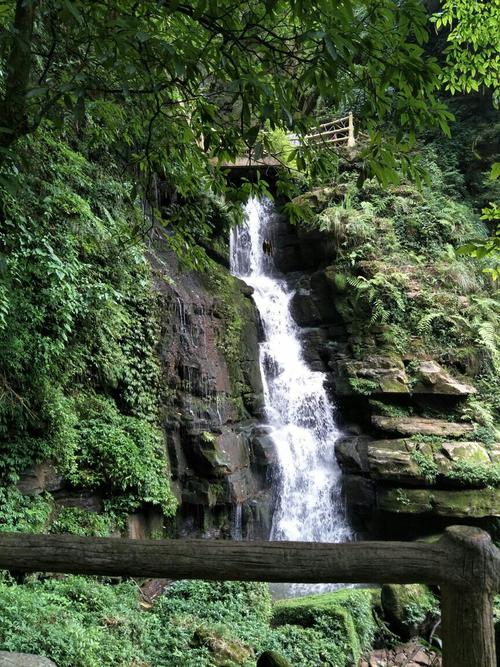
[
  {"x": 79, "y": 376},
  {"x": 84, "y": 622},
  {"x": 25, "y": 514},
  {"x": 396, "y": 280}
]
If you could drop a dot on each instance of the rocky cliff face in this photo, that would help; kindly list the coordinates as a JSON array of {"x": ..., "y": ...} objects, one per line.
[
  {"x": 221, "y": 458},
  {"x": 410, "y": 463}
]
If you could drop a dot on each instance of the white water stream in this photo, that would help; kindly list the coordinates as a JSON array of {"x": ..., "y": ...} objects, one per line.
[{"x": 309, "y": 505}]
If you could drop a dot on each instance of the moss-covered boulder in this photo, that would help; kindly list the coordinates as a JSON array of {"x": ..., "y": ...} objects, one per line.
[
  {"x": 224, "y": 651},
  {"x": 375, "y": 374},
  {"x": 466, "y": 503},
  {"x": 430, "y": 461},
  {"x": 272, "y": 659},
  {"x": 392, "y": 460},
  {"x": 410, "y": 610},
  {"x": 433, "y": 379},
  {"x": 346, "y": 615}
]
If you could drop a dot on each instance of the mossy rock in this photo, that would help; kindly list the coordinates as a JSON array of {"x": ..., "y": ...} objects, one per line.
[
  {"x": 272, "y": 659},
  {"x": 466, "y": 503},
  {"x": 225, "y": 651},
  {"x": 410, "y": 609},
  {"x": 347, "y": 613}
]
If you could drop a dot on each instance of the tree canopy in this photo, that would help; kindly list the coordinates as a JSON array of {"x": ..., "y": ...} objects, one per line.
[{"x": 173, "y": 84}]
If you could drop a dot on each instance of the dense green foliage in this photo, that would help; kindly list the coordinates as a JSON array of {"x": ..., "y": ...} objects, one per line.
[
  {"x": 115, "y": 118},
  {"x": 472, "y": 52},
  {"x": 397, "y": 282},
  {"x": 180, "y": 83},
  {"x": 79, "y": 622},
  {"x": 78, "y": 369}
]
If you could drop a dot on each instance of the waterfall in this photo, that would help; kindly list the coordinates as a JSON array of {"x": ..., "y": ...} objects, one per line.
[{"x": 309, "y": 504}]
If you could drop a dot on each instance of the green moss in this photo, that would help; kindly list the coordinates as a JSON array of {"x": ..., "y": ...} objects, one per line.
[
  {"x": 346, "y": 616},
  {"x": 426, "y": 464},
  {"x": 470, "y": 473},
  {"x": 363, "y": 386},
  {"x": 408, "y": 607}
]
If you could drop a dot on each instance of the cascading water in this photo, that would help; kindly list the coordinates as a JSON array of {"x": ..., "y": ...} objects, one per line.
[{"x": 309, "y": 505}]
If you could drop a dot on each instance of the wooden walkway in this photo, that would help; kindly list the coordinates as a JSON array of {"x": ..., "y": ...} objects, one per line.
[
  {"x": 335, "y": 133},
  {"x": 338, "y": 132}
]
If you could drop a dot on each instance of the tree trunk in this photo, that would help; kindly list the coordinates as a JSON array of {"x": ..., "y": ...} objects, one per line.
[{"x": 13, "y": 112}]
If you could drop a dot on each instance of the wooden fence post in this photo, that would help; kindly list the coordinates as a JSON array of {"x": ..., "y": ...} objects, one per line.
[
  {"x": 467, "y": 602},
  {"x": 464, "y": 563},
  {"x": 351, "y": 142}
]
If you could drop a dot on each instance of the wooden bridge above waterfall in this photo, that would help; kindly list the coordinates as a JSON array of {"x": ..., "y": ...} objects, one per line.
[
  {"x": 338, "y": 133},
  {"x": 464, "y": 563}
]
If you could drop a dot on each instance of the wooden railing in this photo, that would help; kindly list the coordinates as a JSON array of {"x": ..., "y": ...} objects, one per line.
[
  {"x": 464, "y": 563},
  {"x": 339, "y": 132}
]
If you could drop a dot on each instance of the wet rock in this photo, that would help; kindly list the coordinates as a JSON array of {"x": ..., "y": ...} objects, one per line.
[
  {"x": 376, "y": 374},
  {"x": 311, "y": 304},
  {"x": 352, "y": 453},
  {"x": 314, "y": 342},
  {"x": 263, "y": 449},
  {"x": 257, "y": 515},
  {"x": 433, "y": 379},
  {"x": 466, "y": 503},
  {"x": 8, "y": 659},
  {"x": 241, "y": 486},
  {"x": 40, "y": 477},
  {"x": 212, "y": 372},
  {"x": 360, "y": 495},
  {"x": 219, "y": 454},
  {"x": 304, "y": 309},
  {"x": 420, "y": 425},
  {"x": 196, "y": 491},
  {"x": 410, "y": 610}
]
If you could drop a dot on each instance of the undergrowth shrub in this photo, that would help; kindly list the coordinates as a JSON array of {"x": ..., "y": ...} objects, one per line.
[
  {"x": 79, "y": 376},
  {"x": 86, "y": 622}
]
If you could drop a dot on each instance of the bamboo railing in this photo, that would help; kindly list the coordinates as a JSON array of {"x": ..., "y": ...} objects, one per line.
[
  {"x": 464, "y": 563},
  {"x": 339, "y": 131}
]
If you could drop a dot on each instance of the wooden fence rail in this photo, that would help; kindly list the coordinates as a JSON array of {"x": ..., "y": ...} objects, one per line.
[
  {"x": 339, "y": 131},
  {"x": 464, "y": 563}
]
